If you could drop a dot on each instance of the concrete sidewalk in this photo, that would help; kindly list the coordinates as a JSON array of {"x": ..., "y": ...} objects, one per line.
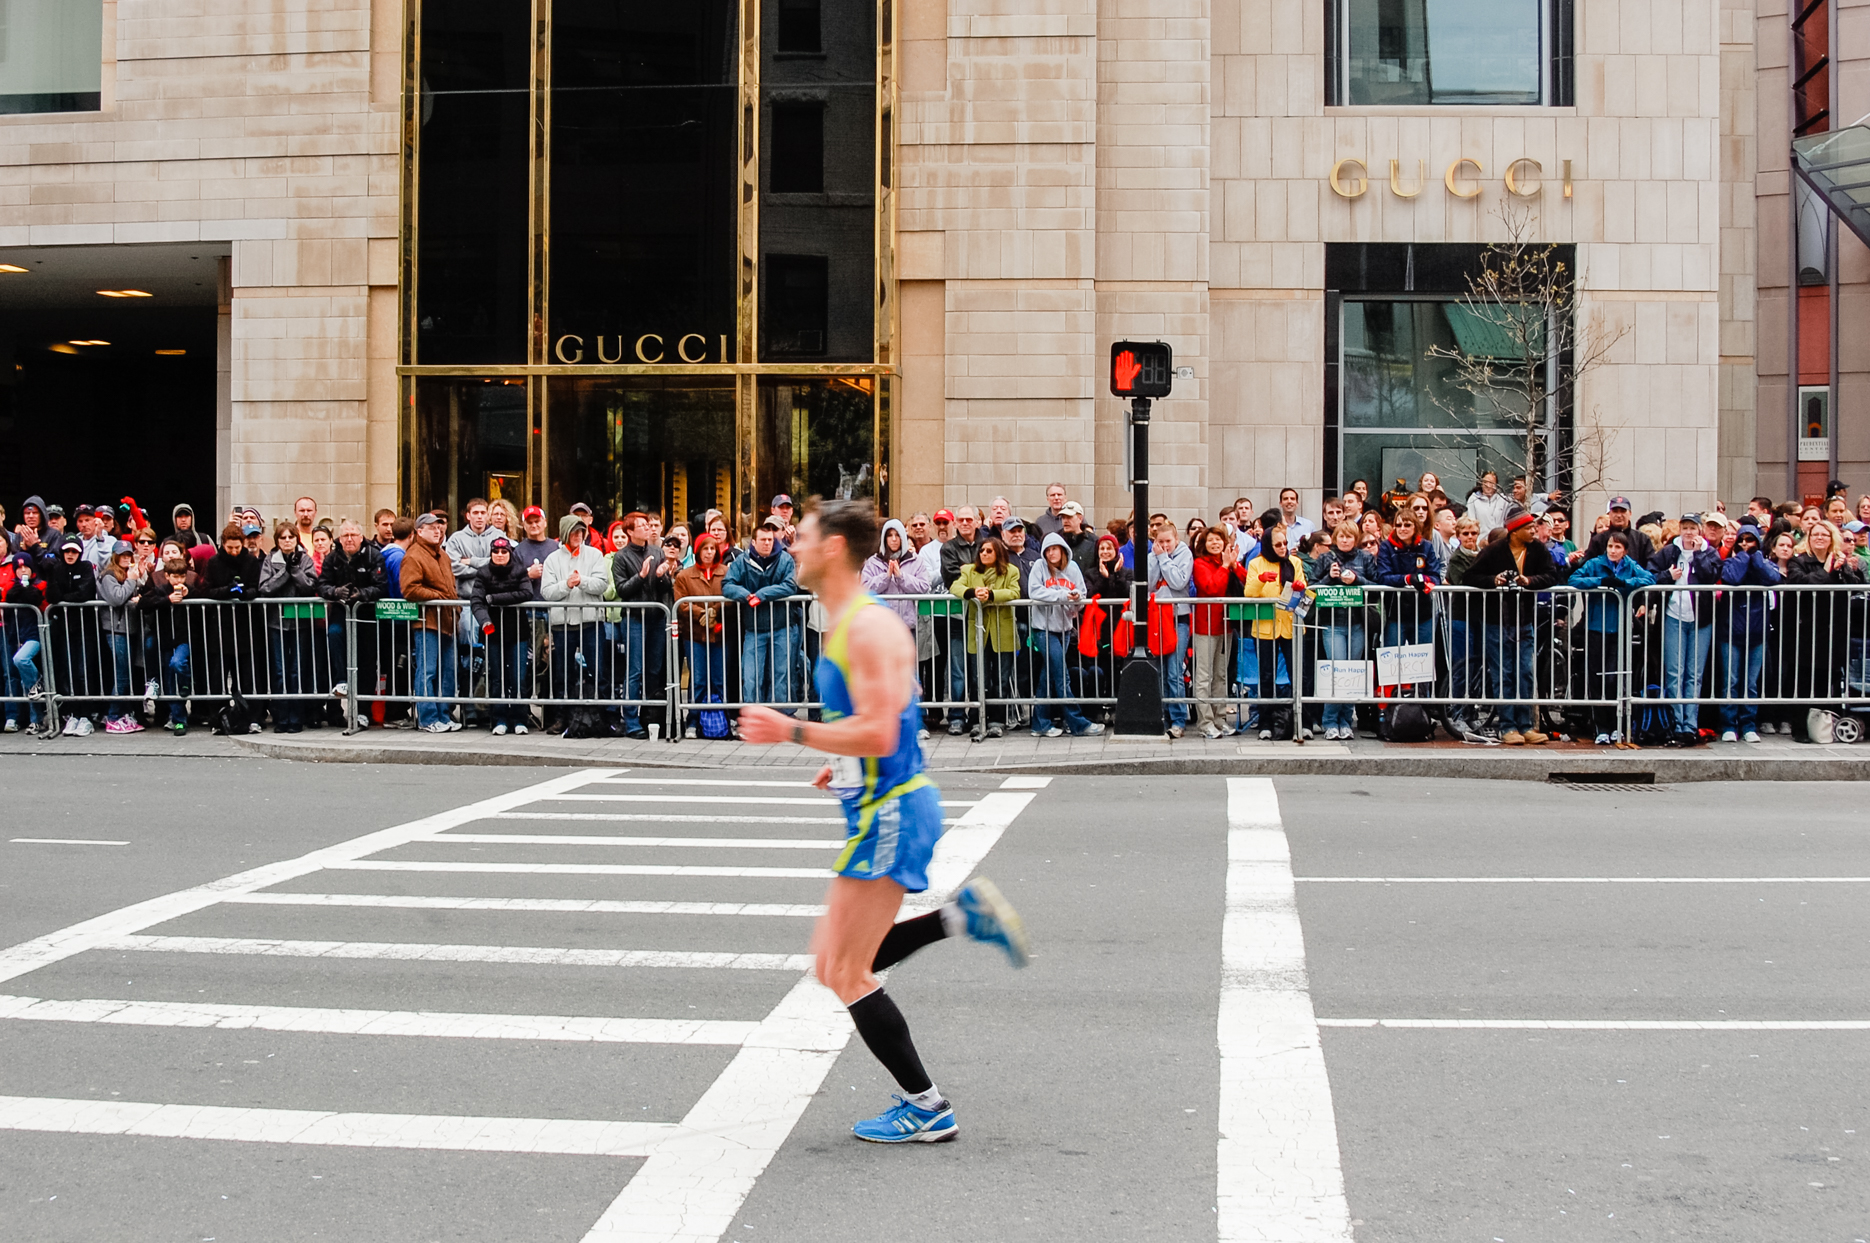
[{"x": 1776, "y": 759}]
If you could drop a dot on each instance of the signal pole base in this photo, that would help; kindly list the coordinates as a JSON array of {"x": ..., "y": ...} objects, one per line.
[{"x": 1139, "y": 698}]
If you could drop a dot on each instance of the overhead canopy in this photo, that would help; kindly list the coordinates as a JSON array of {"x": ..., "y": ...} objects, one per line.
[
  {"x": 1837, "y": 168},
  {"x": 1490, "y": 331}
]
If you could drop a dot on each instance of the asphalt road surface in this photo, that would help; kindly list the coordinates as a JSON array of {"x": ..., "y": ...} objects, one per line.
[{"x": 250, "y": 1000}]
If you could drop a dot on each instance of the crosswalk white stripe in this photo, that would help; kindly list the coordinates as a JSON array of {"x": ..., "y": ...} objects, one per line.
[
  {"x": 1613, "y": 1025},
  {"x": 576, "y": 869},
  {"x": 763, "y": 800},
  {"x": 419, "y": 951},
  {"x": 684, "y": 843},
  {"x": 1280, "y": 1177},
  {"x": 564, "y": 1137},
  {"x": 444, "y": 1025},
  {"x": 578, "y": 906},
  {"x": 1582, "y": 880},
  {"x": 675, "y": 818},
  {"x": 711, "y": 782},
  {"x": 42, "y": 951},
  {"x": 691, "y": 1193},
  {"x": 663, "y": 817}
]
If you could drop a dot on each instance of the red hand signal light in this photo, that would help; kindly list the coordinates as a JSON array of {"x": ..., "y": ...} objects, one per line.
[{"x": 1124, "y": 371}]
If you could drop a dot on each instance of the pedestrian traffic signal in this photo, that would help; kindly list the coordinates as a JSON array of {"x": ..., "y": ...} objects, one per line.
[{"x": 1141, "y": 369}]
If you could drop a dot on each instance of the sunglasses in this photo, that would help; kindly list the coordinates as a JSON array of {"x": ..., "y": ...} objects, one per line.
[{"x": 149, "y": 543}]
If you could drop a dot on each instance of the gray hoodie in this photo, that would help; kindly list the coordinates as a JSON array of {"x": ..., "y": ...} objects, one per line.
[
  {"x": 1057, "y": 595},
  {"x": 1170, "y": 576}
]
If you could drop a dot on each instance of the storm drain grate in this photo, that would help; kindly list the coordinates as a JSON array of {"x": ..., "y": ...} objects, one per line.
[{"x": 1635, "y": 783}]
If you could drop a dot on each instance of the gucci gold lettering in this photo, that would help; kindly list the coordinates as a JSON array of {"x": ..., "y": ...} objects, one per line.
[
  {"x": 1421, "y": 174},
  {"x": 1567, "y": 178},
  {"x": 641, "y": 356},
  {"x": 1514, "y": 185},
  {"x": 559, "y": 349},
  {"x": 1454, "y": 174},
  {"x": 1338, "y": 185},
  {"x": 681, "y": 348},
  {"x": 602, "y": 357}
]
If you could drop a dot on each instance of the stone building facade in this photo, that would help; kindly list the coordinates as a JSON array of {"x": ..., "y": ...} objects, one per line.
[{"x": 1049, "y": 177}]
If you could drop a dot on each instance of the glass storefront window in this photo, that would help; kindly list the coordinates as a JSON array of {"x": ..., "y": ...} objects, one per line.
[
  {"x": 817, "y": 438},
  {"x": 644, "y": 127},
  {"x": 1401, "y": 52},
  {"x": 51, "y": 55},
  {"x": 470, "y": 440},
  {"x": 471, "y": 222},
  {"x": 818, "y": 140},
  {"x": 620, "y": 443},
  {"x": 1401, "y": 411}
]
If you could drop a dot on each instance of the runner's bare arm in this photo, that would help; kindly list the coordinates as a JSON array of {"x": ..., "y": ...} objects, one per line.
[{"x": 882, "y": 668}]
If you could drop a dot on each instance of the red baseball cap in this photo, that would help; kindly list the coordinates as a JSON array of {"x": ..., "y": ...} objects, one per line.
[
  {"x": 944, "y": 515},
  {"x": 531, "y": 512}
]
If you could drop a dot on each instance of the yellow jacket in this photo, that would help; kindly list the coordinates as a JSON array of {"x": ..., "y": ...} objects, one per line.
[
  {"x": 1279, "y": 625},
  {"x": 1002, "y": 629}
]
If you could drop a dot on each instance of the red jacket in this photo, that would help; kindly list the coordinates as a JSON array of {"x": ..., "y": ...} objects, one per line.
[{"x": 1211, "y": 578}]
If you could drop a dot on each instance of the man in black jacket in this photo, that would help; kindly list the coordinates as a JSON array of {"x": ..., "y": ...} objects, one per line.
[
  {"x": 644, "y": 574},
  {"x": 956, "y": 555},
  {"x": 354, "y": 574},
  {"x": 1640, "y": 547},
  {"x": 1517, "y": 567}
]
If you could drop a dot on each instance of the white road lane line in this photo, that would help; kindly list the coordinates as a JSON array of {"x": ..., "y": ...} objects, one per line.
[
  {"x": 1025, "y": 783},
  {"x": 29, "y": 956},
  {"x": 565, "y": 1137},
  {"x": 684, "y": 843},
  {"x": 1613, "y": 1025},
  {"x": 710, "y": 782},
  {"x": 1582, "y": 880},
  {"x": 449, "y": 1026},
  {"x": 1279, "y": 1174},
  {"x": 63, "y": 841},
  {"x": 663, "y": 817},
  {"x": 576, "y": 869},
  {"x": 569, "y": 906},
  {"x": 417, "y": 951},
  {"x": 690, "y": 1192},
  {"x": 763, "y": 800}
]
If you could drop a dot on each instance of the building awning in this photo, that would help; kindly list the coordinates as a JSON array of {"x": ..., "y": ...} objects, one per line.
[
  {"x": 1488, "y": 331},
  {"x": 1837, "y": 168}
]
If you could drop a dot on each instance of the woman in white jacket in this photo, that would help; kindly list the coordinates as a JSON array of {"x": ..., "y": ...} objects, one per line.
[
  {"x": 576, "y": 576},
  {"x": 1487, "y": 505},
  {"x": 1056, "y": 588}
]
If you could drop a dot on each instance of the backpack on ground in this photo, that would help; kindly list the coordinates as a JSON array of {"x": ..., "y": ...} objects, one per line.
[
  {"x": 235, "y": 719},
  {"x": 1651, "y": 724},
  {"x": 1404, "y": 721},
  {"x": 713, "y": 723}
]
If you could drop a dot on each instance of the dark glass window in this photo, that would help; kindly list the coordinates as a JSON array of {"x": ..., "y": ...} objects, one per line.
[
  {"x": 472, "y": 165},
  {"x": 644, "y": 109},
  {"x": 816, "y": 437},
  {"x": 798, "y": 149},
  {"x": 51, "y": 55},
  {"x": 798, "y": 26},
  {"x": 470, "y": 441},
  {"x": 818, "y": 235},
  {"x": 1403, "y": 52},
  {"x": 641, "y": 442},
  {"x": 797, "y": 305}
]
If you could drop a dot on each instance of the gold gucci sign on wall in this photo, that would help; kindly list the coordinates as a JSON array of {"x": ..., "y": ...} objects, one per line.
[{"x": 1524, "y": 178}]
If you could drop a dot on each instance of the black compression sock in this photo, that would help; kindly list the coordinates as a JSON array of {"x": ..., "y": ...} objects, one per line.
[
  {"x": 907, "y": 937},
  {"x": 885, "y": 1030}
]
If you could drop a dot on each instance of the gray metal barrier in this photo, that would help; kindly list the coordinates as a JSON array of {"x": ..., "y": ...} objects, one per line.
[
  {"x": 23, "y": 686},
  {"x": 590, "y": 669},
  {"x": 165, "y": 653}
]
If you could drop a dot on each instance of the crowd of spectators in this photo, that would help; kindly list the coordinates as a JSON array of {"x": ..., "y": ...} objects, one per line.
[{"x": 521, "y": 623}]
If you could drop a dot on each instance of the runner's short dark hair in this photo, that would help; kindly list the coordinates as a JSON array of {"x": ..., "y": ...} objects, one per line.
[{"x": 855, "y": 520}]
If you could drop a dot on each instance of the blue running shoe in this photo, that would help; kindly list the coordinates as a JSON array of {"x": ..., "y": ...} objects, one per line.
[
  {"x": 991, "y": 918},
  {"x": 906, "y": 1124}
]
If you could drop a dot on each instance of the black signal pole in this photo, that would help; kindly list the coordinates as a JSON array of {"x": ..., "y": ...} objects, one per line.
[{"x": 1139, "y": 689}]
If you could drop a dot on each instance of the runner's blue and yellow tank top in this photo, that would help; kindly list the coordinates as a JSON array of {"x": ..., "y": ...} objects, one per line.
[{"x": 892, "y": 812}]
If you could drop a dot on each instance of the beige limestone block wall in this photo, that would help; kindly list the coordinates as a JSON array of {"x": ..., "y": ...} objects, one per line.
[
  {"x": 1153, "y": 63},
  {"x": 1739, "y": 326},
  {"x": 1643, "y": 139},
  {"x": 997, "y": 197},
  {"x": 272, "y": 127},
  {"x": 1772, "y": 205}
]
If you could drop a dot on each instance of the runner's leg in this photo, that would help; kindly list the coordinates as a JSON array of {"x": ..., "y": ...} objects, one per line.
[{"x": 858, "y": 914}]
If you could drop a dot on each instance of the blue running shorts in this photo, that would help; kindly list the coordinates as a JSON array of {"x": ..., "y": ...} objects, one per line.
[{"x": 893, "y": 837}]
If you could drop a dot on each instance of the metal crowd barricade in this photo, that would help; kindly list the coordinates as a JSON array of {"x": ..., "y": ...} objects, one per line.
[
  {"x": 108, "y": 659},
  {"x": 589, "y": 669},
  {"x": 23, "y": 685},
  {"x": 1052, "y": 672},
  {"x": 1785, "y": 649}
]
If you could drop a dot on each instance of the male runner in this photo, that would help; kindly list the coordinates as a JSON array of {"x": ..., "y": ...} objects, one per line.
[{"x": 866, "y": 682}]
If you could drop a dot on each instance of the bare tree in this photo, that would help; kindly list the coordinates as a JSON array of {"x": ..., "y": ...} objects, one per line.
[{"x": 1527, "y": 354}]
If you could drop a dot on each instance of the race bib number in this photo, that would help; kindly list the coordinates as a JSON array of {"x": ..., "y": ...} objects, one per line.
[{"x": 847, "y": 776}]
